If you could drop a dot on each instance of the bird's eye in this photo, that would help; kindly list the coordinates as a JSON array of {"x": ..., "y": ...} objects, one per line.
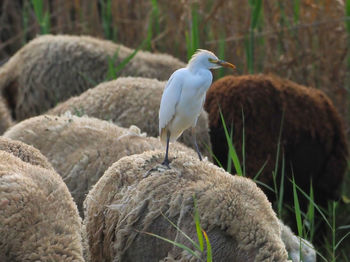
[{"x": 211, "y": 60}]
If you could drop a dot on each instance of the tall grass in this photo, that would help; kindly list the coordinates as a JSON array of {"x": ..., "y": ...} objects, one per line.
[
  {"x": 256, "y": 6},
  {"x": 113, "y": 70},
  {"x": 221, "y": 53},
  {"x": 305, "y": 221},
  {"x": 110, "y": 31},
  {"x": 232, "y": 156},
  {"x": 192, "y": 36},
  {"x": 43, "y": 18},
  {"x": 153, "y": 25}
]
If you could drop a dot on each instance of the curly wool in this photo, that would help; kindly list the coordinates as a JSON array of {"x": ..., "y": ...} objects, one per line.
[
  {"x": 24, "y": 152},
  {"x": 131, "y": 101},
  {"x": 39, "y": 220},
  {"x": 5, "y": 116},
  {"x": 133, "y": 193},
  {"x": 313, "y": 138},
  {"x": 81, "y": 148},
  {"x": 299, "y": 249},
  {"x": 50, "y": 69}
]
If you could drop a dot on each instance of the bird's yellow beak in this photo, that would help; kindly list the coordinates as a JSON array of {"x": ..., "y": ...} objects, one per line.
[{"x": 225, "y": 64}]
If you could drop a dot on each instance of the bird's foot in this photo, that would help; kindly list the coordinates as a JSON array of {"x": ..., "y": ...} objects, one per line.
[{"x": 166, "y": 163}]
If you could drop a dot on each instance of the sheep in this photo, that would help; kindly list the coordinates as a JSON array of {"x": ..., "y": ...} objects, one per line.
[
  {"x": 313, "y": 142},
  {"x": 131, "y": 101},
  {"x": 50, "y": 69},
  {"x": 5, "y": 116},
  {"x": 81, "y": 148},
  {"x": 135, "y": 191},
  {"x": 299, "y": 249},
  {"x": 38, "y": 218},
  {"x": 25, "y": 152}
]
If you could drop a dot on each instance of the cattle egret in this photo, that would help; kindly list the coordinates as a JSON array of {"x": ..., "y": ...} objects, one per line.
[{"x": 183, "y": 97}]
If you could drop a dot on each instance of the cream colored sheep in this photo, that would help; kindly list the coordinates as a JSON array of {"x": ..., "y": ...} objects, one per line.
[
  {"x": 38, "y": 218},
  {"x": 50, "y": 69},
  {"x": 80, "y": 148},
  {"x": 25, "y": 152},
  {"x": 5, "y": 116},
  {"x": 299, "y": 249},
  {"x": 131, "y": 101},
  {"x": 134, "y": 191}
]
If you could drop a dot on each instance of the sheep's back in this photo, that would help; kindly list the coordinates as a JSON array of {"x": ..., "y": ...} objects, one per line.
[
  {"x": 134, "y": 192},
  {"x": 312, "y": 138},
  {"x": 131, "y": 101}
]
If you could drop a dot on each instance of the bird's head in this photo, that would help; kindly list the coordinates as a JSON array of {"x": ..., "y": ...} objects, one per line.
[{"x": 207, "y": 59}]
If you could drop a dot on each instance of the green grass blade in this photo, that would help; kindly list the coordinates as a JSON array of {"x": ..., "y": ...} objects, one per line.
[
  {"x": 260, "y": 171},
  {"x": 257, "y": 6},
  {"x": 281, "y": 191},
  {"x": 230, "y": 153},
  {"x": 264, "y": 185},
  {"x": 194, "y": 29},
  {"x": 209, "y": 252},
  {"x": 188, "y": 45},
  {"x": 198, "y": 225},
  {"x": 315, "y": 205},
  {"x": 234, "y": 156},
  {"x": 243, "y": 143},
  {"x": 155, "y": 15},
  {"x": 344, "y": 227},
  {"x": 42, "y": 19},
  {"x": 296, "y": 10},
  {"x": 127, "y": 60},
  {"x": 347, "y": 14},
  {"x": 190, "y": 251},
  {"x": 275, "y": 172},
  {"x": 38, "y": 9},
  {"x": 214, "y": 156},
  {"x": 183, "y": 233},
  {"x": 334, "y": 206},
  {"x": 297, "y": 210},
  {"x": 341, "y": 240},
  {"x": 311, "y": 213},
  {"x": 221, "y": 52}
]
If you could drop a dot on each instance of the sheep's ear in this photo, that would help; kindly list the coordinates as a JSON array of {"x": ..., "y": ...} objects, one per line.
[{"x": 10, "y": 92}]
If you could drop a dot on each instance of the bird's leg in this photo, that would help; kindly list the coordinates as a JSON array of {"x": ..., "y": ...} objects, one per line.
[
  {"x": 195, "y": 143},
  {"x": 166, "y": 161}
]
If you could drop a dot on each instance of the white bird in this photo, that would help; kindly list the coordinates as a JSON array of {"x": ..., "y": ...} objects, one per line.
[{"x": 183, "y": 97}]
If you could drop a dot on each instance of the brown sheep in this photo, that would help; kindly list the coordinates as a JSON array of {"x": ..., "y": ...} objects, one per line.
[
  {"x": 50, "y": 69},
  {"x": 5, "y": 116},
  {"x": 25, "y": 152},
  {"x": 134, "y": 192},
  {"x": 38, "y": 218},
  {"x": 81, "y": 148},
  {"x": 313, "y": 140},
  {"x": 131, "y": 101}
]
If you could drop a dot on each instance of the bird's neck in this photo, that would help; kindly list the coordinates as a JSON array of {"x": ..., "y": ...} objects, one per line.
[{"x": 196, "y": 67}]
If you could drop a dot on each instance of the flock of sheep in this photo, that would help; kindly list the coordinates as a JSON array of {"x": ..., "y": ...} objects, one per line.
[{"x": 81, "y": 178}]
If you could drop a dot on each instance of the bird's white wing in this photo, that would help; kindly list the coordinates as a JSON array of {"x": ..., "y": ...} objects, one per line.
[{"x": 170, "y": 99}]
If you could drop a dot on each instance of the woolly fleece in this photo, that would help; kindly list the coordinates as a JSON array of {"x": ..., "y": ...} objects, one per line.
[
  {"x": 134, "y": 191},
  {"x": 131, "y": 101},
  {"x": 313, "y": 137},
  {"x": 81, "y": 148},
  {"x": 25, "y": 152},
  {"x": 51, "y": 69},
  {"x": 5, "y": 116},
  {"x": 38, "y": 218}
]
